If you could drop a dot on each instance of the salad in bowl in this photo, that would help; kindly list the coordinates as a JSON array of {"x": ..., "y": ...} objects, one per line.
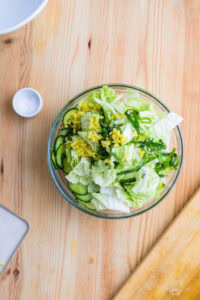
[{"x": 113, "y": 152}]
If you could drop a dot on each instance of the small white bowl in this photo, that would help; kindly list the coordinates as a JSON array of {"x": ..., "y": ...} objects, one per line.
[{"x": 27, "y": 102}]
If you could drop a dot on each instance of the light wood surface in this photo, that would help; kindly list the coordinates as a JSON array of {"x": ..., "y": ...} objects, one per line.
[
  {"x": 71, "y": 46},
  {"x": 172, "y": 269}
]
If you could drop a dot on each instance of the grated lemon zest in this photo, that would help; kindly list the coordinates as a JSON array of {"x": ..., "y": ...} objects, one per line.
[
  {"x": 94, "y": 137},
  {"x": 83, "y": 149},
  {"x": 94, "y": 122},
  {"x": 89, "y": 106},
  {"x": 106, "y": 144},
  {"x": 118, "y": 138}
]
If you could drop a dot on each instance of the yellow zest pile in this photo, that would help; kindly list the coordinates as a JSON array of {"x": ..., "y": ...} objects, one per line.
[
  {"x": 109, "y": 162},
  {"x": 94, "y": 137},
  {"x": 118, "y": 138},
  {"x": 75, "y": 121},
  {"x": 94, "y": 122},
  {"x": 83, "y": 149},
  {"x": 89, "y": 106},
  {"x": 106, "y": 144}
]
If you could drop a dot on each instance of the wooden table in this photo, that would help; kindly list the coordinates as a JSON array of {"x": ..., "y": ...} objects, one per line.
[{"x": 71, "y": 46}]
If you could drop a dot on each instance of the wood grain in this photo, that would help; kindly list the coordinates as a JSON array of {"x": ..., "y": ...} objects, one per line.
[
  {"x": 71, "y": 46},
  {"x": 172, "y": 269}
]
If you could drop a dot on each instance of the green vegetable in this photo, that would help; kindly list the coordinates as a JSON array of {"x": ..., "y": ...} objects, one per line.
[
  {"x": 59, "y": 155},
  {"x": 93, "y": 187},
  {"x": 58, "y": 141},
  {"x": 111, "y": 198},
  {"x": 81, "y": 173},
  {"x": 102, "y": 174},
  {"x": 120, "y": 169},
  {"x": 66, "y": 166},
  {"x": 68, "y": 115},
  {"x": 94, "y": 145},
  {"x": 78, "y": 188},
  {"x": 151, "y": 145},
  {"x": 144, "y": 187},
  {"x": 87, "y": 205},
  {"x": 128, "y": 180},
  {"x": 133, "y": 117},
  {"x": 64, "y": 132},
  {"x": 84, "y": 198},
  {"x": 53, "y": 160},
  {"x": 167, "y": 163},
  {"x": 124, "y": 153}
]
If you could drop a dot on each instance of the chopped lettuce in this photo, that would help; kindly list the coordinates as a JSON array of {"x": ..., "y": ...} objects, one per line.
[
  {"x": 133, "y": 101},
  {"x": 102, "y": 174},
  {"x": 145, "y": 186},
  {"x": 81, "y": 173},
  {"x": 121, "y": 154},
  {"x": 85, "y": 120},
  {"x": 93, "y": 187},
  {"x": 109, "y": 111},
  {"x": 124, "y": 153},
  {"x": 72, "y": 157},
  {"x": 111, "y": 198},
  {"x": 107, "y": 94},
  {"x": 128, "y": 131},
  {"x": 162, "y": 128}
]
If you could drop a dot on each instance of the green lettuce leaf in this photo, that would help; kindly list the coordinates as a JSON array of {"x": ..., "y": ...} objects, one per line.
[
  {"x": 93, "y": 187},
  {"x": 111, "y": 198},
  {"x": 145, "y": 186},
  {"x": 109, "y": 111},
  {"x": 133, "y": 101},
  {"x": 85, "y": 120},
  {"x": 72, "y": 157},
  {"x": 124, "y": 153},
  {"x": 162, "y": 129},
  {"x": 81, "y": 173},
  {"x": 102, "y": 174},
  {"x": 107, "y": 94},
  {"x": 128, "y": 131}
]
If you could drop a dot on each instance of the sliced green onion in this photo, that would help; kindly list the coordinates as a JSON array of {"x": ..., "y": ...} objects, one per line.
[
  {"x": 133, "y": 116},
  {"x": 138, "y": 168},
  {"x": 128, "y": 180},
  {"x": 145, "y": 120}
]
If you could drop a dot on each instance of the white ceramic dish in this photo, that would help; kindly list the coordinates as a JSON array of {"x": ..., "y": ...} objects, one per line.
[
  {"x": 27, "y": 102},
  {"x": 13, "y": 230},
  {"x": 16, "y": 13}
]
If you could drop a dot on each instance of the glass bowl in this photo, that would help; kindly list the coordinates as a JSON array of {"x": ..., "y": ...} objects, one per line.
[{"x": 59, "y": 176}]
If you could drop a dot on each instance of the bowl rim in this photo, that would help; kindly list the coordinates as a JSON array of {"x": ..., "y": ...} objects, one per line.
[
  {"x": 29, "y": 18},
  {"x": 49, "y": 153}
]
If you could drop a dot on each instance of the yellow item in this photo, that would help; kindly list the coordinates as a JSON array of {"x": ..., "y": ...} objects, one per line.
[
  {"x": 106, "y": 144},
  {"x": 75, "y": 121},
  {"x": 141, "y": 153},
  {"x": 109, "y": 162},
  {"x": 118, "y": 138},
  {"x": 94, "y": 137},
  {"x": 94, "y": 122},
  {"x": 83, "y": 149},
  {"x": 89, "y": 106}
]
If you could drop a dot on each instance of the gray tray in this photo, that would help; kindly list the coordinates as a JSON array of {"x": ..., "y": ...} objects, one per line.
[{"x": 13, "y": 230}]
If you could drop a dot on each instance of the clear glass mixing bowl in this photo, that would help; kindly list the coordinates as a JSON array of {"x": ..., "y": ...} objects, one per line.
[{"x": 59, "y": 177}]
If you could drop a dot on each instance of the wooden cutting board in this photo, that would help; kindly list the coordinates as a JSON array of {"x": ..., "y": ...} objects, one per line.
[{"x": 172, "y": 269}]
